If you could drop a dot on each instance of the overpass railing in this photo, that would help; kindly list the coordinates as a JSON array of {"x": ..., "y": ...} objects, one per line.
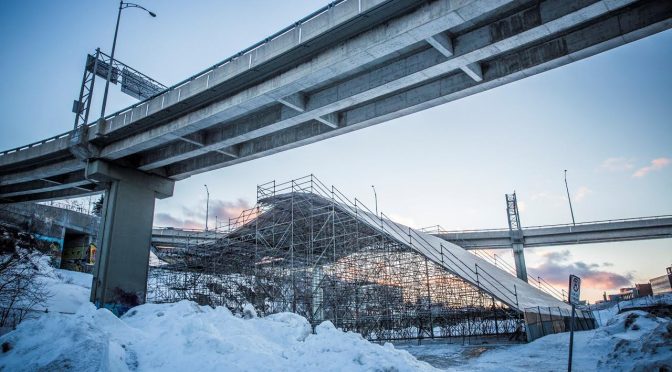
[
  {"x": 294, "y": 26},
  {"x": 42, "y": 142}
]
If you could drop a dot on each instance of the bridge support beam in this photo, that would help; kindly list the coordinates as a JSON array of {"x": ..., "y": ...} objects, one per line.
[
  {"x": 120, "y": 274},
  {"x": 519, "y": 260}
]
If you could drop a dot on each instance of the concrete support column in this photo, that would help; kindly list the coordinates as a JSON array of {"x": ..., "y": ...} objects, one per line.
[
  {"x": 519, "y": 260},
  {"x": 120, "y": 274}
]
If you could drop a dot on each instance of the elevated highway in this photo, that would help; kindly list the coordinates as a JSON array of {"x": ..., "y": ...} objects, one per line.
[
  {"x": 644, "y": 228},
  {"x": 174, "y": 237},
  {"x": 353, "y": 64},
  {"x": 350, "y": 65},
  {"x": 659, "y": 227}
]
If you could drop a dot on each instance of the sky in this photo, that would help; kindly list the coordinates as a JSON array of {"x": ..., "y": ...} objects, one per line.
[{"x": 606, "y": 119}]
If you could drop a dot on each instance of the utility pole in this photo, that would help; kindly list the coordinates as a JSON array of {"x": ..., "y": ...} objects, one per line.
[
  {"x": 375, "y": 197},
  {"x": 207, "y": 206},
  {"x": 569, "y": 199}
]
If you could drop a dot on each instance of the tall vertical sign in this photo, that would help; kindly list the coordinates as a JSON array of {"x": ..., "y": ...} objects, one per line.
[{"x": 574, "y": 294}]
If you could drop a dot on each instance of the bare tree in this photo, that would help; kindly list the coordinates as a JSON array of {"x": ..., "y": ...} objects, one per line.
[{"x": 21, "y": 290}]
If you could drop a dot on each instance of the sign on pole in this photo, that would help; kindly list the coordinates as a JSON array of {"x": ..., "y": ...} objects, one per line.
[
  {"x": 574, "y": 289},
  {"x": 574, "y": 294}
]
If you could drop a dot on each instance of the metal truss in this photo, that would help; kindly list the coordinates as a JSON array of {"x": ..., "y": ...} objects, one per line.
[
  {"x": 302, "y": 249},
  {"x": 133, "y": 83}
]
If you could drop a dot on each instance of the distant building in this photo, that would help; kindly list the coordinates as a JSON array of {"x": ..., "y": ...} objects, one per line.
[
  {"x": 662, "y": 284},
  {"x": 620, "y": 296},
  {"x": 643, "y": 289},
  {"x": 628, "y": 293}
]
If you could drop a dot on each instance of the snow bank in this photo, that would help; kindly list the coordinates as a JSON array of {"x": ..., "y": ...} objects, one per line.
[
  {"x": 184, "y": 336},
  {"x": 643, "y": 342},
  {"x": 631, "y": 341},
  {"x": 607, "y": 311}
]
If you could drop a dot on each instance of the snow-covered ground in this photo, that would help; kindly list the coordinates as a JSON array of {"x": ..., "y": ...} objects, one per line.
[
  {"x": 631, "y": 341},
  {"x": 183, "y": 337},
  {"x": 609, "y": 310},
  {"x": 74, "y": 335},
  {"x": 69, "y": 289}
]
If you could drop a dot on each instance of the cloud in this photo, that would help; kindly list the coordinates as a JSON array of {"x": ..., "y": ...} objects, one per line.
[
  {"x": 557, "y": 266},
  {"x": 545, "y": 195},
  {"x": 522, "y": 206},
  {"x": 225, "y": 210},
  {"x": 655, "y": 165},
  {"x": 582, "y": 193},
  {"x": 617, "y": 164},
  {"x": 193, "y": 217},
  {"x": 165, "y": 219},
  {"x": 402, "y": 220}
]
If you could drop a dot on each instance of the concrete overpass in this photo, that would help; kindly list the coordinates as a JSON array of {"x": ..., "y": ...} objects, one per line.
[
  {"x": 352, "y": 64},
  {"x": 355, "y": 64},
  {"x": 658, "y": 227},
  {"x": 174, "y": 237}
]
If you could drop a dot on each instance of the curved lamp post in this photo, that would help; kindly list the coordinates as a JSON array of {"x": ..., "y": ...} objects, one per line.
[
  {"x": 122, "y": 6},
  {"x": 207, "y": 206},
  {"x": 375, "y": 195},
  {"x": 569, "y": 198}
]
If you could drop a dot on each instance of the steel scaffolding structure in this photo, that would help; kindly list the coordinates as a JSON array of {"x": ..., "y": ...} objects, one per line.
[{"x": 305, "y": 248}]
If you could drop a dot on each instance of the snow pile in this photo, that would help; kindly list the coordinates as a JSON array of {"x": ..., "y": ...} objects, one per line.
[
  {"x": 184, "y": 336},
  {"x": 643, "y": 342},
  {"x": 631, "y": 341},
  {"x": 607, "y": 311}
]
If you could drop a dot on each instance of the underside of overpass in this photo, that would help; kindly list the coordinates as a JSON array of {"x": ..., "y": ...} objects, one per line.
[{"x": 350, "y": 65}]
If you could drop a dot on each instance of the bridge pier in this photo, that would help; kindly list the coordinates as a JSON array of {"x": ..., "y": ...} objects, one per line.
[
  {"x": 120, "y": 274},
  {"x": 519, "y": 260}
]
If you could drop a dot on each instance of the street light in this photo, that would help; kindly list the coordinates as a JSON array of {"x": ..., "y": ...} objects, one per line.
[
  {"x": 376, "y": 198},
  {"x": 570, "y": 199},
  {"x": 207, "y": 206},
  {"x": 122, "y": 6}
]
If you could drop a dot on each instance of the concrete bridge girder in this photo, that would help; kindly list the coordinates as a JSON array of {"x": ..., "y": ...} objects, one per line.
[
  {"x": 389, "y": 77},
  {"x": 499, "y": 71}
]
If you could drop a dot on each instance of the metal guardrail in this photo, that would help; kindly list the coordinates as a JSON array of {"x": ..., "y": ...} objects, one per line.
[
  {"x": 256, "y": 45},
  {"x": 74, "y": 208},
  {"x": 167, "y": 228}
]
